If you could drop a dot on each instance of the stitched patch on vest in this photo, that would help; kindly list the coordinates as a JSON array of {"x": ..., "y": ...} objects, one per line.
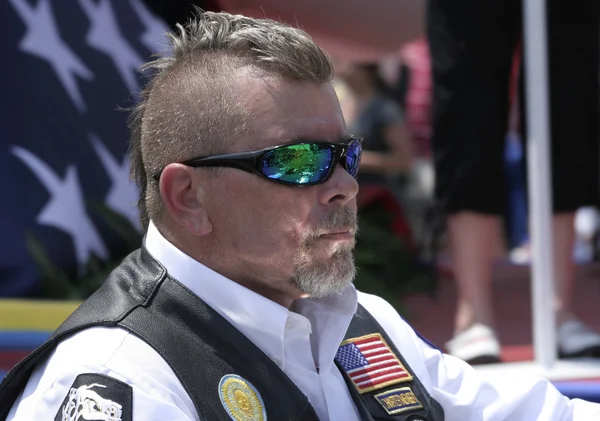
[
  {"x": 370, "y": 363},
  {"x": 97, "y": 397},
  {"x": 399, "y": 400},
  {"x": 240, "y": 399}
]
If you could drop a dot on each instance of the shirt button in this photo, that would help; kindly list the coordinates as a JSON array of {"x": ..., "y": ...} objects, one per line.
[{"x": 276, "y": 360}]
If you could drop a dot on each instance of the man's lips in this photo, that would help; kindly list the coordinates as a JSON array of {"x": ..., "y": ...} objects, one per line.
[{"x": 338, "y": 234}]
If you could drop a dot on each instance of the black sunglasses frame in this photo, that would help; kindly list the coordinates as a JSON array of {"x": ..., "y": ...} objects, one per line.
[{"x": 250, "y": 161}]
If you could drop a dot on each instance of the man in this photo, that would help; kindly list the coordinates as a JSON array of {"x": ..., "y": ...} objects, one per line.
[{"x": 240, "y": 304}]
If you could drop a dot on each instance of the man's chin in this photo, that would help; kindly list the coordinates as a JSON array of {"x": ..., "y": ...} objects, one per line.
[{"x": 326, "y": 280}]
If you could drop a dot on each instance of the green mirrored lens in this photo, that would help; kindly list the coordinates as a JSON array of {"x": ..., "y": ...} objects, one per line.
[{"x": 298, "y": 164}]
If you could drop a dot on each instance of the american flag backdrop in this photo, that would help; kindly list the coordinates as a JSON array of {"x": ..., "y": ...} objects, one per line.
[
  {"x": 66, "y": 68},
  {"x": 370, "y": 363}
]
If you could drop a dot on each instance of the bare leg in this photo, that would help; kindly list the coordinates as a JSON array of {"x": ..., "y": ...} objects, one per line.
[
  {"x": 474, "y": 240},
  {"x": 575, "y": 339},
  {"x": 564, "y": 268}
]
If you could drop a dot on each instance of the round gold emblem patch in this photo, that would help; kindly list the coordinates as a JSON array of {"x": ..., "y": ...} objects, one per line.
[{"x": 240, "y": 399}]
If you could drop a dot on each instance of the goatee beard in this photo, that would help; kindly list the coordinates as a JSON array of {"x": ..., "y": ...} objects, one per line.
[{"x": 321, "y": 279}]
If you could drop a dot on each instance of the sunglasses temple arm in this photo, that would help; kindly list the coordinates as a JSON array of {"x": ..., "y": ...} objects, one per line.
[{"x": 247, "y": 164}]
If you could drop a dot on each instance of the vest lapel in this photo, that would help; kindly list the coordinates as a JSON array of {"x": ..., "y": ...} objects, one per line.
[{"x": 379, "y": 377}]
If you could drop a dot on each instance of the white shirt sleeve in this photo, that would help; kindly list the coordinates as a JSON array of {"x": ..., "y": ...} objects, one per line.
[
  {"x": 157, "y": 394},
  {"x": 45, "y": 404},
  {"x": 463, "y": 393}
]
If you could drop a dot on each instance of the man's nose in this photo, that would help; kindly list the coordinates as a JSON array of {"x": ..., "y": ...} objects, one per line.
[{"x": 340, "y": 188}]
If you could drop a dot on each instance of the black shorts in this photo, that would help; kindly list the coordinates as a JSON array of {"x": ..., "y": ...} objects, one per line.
[{"x": 472, "y": 44}]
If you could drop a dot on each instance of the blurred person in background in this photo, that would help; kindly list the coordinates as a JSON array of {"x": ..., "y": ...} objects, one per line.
[
  {"x": 372, "y": 113},
  {"x": 409, "y": 73},
  {"x": 472, "y": 44}
]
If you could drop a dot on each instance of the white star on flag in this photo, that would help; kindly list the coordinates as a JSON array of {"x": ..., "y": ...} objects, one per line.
[
  {"x": 43, "y": 40},
  {"x": 66, "y": 208},
  {"x": 105, "y": 36},
  {"x": 154, "y": 38}
]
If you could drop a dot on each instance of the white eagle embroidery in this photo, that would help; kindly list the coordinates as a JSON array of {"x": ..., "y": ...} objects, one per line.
[{"x": 85, "y": 404}]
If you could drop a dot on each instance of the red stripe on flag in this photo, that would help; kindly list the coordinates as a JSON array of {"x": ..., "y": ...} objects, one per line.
[
  {"x": 390, "y": 374},
  {"x": 385, "y": 380},
  {"x": 376, "y": 380},
  {"x": 382, "y": 359},
  {"x": 369, "y": 347},
  {"x": 371, "y": 369},
  {"x": 377, "y": 354},
  {"x": 364, "y": 348},
  {"x": 381, "y": 380}
]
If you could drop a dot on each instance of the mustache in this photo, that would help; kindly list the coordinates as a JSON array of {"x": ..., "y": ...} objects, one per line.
[{"x": 341, "y": 219}]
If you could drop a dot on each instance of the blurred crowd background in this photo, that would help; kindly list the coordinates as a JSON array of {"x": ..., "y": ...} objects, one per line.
[{"x": 70, "y": 68}]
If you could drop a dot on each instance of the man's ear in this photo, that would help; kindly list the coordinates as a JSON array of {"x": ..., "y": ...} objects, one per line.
[{"x": 183, "y": 196}]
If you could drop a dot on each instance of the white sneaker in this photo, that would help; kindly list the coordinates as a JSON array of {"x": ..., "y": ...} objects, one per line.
[
  {"x": 575, "y": 339},
  {"x": 476, "y": 345},
  {"x": 520, "y": 255}
]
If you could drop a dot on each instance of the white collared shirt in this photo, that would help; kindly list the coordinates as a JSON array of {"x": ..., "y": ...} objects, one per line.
[{"x": 299, "y": 343}]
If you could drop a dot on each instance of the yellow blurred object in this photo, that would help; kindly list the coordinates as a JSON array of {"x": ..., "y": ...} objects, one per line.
[{"x": 34, "y": 314}]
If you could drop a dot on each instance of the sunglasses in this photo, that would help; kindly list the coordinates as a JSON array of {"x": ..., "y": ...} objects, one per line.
[{"x": 296, "y": 164}]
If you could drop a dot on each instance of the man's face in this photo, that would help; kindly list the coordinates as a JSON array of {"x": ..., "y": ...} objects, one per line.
[{"x": 289, "y": 239}]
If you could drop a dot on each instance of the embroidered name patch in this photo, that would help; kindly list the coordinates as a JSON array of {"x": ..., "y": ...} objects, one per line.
[
  {"x": 370, "y": 363},
  {"x": 399, "y": 400},
  {"x": 97, "y": 397},
  {"x": 240, "y": 399}
]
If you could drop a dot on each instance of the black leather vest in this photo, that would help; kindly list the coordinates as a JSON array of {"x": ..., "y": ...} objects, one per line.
[{"x": 203, "y": 349}]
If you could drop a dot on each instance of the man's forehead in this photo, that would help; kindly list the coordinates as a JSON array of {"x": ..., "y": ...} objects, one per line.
[
  {"x": 297, "y": 135},
  {"x": 284, "y": 111}
]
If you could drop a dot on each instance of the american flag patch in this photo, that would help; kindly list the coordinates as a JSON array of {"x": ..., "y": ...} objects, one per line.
[{"x": 370, "y": 363}]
